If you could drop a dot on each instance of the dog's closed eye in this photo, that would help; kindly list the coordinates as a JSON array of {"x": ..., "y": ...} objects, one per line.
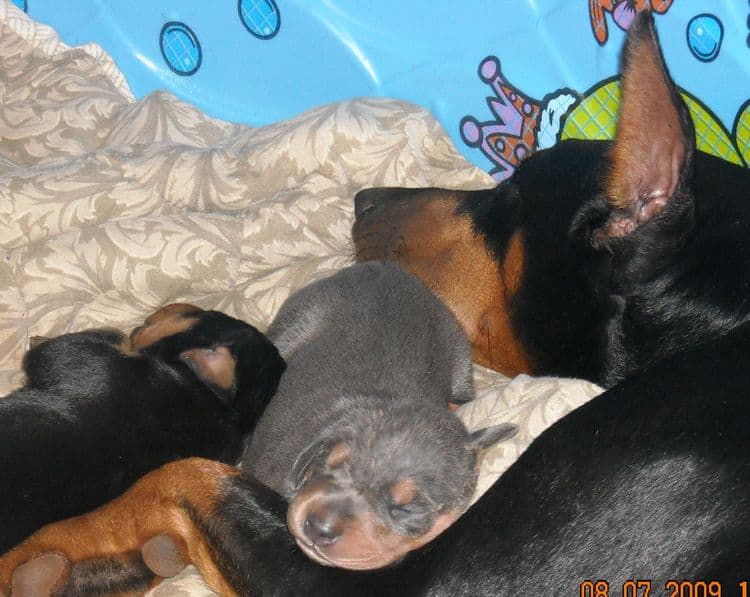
[{"x": 403, "y": 498}]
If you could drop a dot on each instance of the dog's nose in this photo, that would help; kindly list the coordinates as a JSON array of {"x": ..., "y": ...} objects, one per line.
[{"x": 321, "y": 527}]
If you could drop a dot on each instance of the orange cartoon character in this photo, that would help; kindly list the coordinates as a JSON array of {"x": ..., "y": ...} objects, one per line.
[{"x": 623, "y": 12}]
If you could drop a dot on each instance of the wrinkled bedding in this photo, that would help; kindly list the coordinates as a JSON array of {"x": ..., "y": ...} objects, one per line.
[{"x": 111, "y": 207}]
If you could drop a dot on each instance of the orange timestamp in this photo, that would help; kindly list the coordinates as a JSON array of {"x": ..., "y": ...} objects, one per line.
[{"x": 645, "y": 588}]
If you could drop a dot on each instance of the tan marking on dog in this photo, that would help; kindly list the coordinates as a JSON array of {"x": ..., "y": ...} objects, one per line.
[
  {"x": 364, "y": 542},
  {"x": 215, "y": 365},
  {"x": 427, "y": 238},
  {"x": 513, "y": 264},
  {"x": 153, "y": 506},
  {"x": 338, "y": 455},
  {"x": 404, "y": 491},
  {"x": 167, "y": 321}
]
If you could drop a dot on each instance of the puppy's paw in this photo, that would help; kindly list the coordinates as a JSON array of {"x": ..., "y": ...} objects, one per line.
[
  {"x": 39, "y": 576},
  {"x": 164, "y": 555}
]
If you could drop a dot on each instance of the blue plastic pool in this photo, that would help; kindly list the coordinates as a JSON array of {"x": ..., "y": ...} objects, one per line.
[{"x": 504, "y": 77}]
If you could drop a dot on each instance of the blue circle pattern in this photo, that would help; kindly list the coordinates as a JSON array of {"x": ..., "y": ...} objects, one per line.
[
  {"x": 260, "y": 17},
  {"x": 704, "y": 36},
  {"x": 180, "y": 48}
]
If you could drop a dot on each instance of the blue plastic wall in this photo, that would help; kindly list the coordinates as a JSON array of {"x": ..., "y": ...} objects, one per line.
[{"x": 259, "y": 61}]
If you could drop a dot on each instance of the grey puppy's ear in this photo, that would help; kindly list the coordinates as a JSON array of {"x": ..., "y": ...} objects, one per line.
[{"x": 484, "y": 438}]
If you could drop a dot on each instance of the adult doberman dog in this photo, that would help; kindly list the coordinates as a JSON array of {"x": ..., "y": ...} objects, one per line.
[
  {"x": 637, "y": 255},
  {"x": 594, "y": 259}
]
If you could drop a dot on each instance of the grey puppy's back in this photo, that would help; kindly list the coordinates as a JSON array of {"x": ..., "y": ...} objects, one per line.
[{"x": 370, "y": 330}]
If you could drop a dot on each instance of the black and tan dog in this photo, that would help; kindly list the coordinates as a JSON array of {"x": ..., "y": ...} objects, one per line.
[
  {"x": 595, "y": 259},
  {"x": 359, "y": 436},
  {"x": 609, "y": 247},
  {"x": 98, "y": 410}
]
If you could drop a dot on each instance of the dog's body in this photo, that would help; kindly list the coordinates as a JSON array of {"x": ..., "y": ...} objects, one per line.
[
  {"x": 606, "y": 261},
  {"x": 649, "y": 482},
  {"x": 94, "y": 416},
  {"x": 360, "y": 420}
]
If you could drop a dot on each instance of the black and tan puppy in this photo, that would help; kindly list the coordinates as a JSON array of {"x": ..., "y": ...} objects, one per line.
[
  {"x": 359, "y": 436},
  {"x": 99, "y": 410}
]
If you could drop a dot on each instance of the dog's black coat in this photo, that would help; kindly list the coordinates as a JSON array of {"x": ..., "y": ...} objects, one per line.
[
  {"x": 91, "y": 419},
  {"x": 600, "y": 314},
  {"x": 650, "y": 480}
]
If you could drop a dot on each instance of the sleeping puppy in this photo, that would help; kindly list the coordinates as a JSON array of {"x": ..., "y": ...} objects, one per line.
[
  {"x": 359, "y": 437},
  {"x": 644, "y": 490},
  {"x": 99, "y": 410}
]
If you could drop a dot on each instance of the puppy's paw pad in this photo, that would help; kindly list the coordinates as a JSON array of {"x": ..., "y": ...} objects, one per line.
[
  {"x": 38, "y": 577},
  {"x": 163, "y": 556}
]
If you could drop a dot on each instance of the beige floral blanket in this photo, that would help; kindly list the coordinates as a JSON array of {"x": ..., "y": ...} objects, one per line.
[{"x": 111, "y": 207}]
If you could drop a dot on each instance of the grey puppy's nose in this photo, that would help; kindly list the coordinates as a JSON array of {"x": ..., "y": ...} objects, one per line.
[{"x": 320, "y": 528}]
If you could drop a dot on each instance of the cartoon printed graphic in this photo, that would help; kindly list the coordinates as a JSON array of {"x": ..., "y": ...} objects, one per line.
[
  {"x": 741, "y": 131},
  {"x": 623, "y": 12},
  {"x": 704, "y": 36},
  {"x": 595, "y": 117},
  {"x": 521, "y": 124},
  {"x": 260, "y": 17}
]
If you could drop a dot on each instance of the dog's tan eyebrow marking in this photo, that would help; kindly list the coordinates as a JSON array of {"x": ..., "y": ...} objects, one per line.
[
  {"x": 404, "y": 491},
  {"x": 338, "y": 455}
]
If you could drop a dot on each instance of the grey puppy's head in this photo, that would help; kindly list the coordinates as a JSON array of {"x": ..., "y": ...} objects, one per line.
[{"x": 385, "y": 478}]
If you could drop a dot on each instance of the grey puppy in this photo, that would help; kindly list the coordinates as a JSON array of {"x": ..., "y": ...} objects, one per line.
[{"x": 359, "y": 436}]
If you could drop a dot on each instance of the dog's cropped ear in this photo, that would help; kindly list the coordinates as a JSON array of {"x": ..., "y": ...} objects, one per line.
[
  {"x": 215, "y": 367},
  {"x": 652, "y": 155},
  {"x": 489, "y": 436}
]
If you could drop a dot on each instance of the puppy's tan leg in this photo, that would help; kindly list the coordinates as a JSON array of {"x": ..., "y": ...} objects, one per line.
[{"x": 160, "y": 504}]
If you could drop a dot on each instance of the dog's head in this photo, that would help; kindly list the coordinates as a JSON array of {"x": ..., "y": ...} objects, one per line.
[
  {"x": 230, "y": 357},
  {"x": 382, "y": 481},
  {"x": 529, "y": 267}
]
